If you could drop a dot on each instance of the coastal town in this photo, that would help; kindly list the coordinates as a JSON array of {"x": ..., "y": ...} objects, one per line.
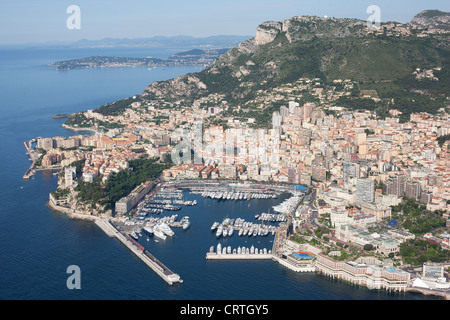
[
  {"x": 358, "y": 167},
  {"x": 370, "y": 193}
]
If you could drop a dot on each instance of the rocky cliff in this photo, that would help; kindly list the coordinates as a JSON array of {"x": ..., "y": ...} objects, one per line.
[{"x": 432, "y": 19}]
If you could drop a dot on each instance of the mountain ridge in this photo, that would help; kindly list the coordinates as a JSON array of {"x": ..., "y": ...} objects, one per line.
[{"x": 328, "y": 49}]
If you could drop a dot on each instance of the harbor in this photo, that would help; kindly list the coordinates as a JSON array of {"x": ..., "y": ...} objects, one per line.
[
  {"x": 157, "y": 217},
  {"x": 240, "y": 253}
]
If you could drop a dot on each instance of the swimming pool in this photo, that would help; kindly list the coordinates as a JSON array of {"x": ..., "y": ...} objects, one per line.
[{"x": 303, "y": 255}]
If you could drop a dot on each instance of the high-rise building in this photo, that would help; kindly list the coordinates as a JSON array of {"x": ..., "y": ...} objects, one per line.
[
  {"x": 412, "y": 190},
  {"x": 365, "y": 191},
  {"x": 69, "y": 174},
  {"x": 350, "y": 170}
]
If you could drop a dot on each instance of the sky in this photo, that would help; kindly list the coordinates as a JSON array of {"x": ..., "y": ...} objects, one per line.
[{"x": 39, "y": 21}]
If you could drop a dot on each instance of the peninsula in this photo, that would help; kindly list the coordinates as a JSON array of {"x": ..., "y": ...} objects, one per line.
[{"x": 191, "y": 57}]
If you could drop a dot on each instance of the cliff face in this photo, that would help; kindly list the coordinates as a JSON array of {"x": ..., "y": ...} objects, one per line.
[
  {"x": 432, "y": 19},
  {"x": 306, "y": 28},
  {"x": 328, "y": 48},
  {"x": 188, "y": 86}
]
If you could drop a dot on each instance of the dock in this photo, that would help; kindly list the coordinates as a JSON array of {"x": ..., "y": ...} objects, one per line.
[
  {"x": 157, "y": 266},
  {"x": 30, "y": 171},
  {"x": 238, "y": 256}
]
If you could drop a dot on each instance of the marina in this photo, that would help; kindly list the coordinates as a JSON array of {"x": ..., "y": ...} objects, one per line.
[
  {"x": 244, "y": 228},
  {"x": 153, "y": 219},
  {"x": 239, "y": 195},
  {"x": 240, "y": 253}
]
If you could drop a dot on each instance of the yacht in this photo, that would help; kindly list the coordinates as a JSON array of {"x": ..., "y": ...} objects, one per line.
[
  {"x": 219, "y": 248},
  {"x": 186, "y": 224},
  {"x": 148, "y": 229},
  {"x": 159, "y": 233},
  {"x": 214, "y": 226},
  {"x": 219, "y": 231},
  {"x": 230, "y": 231},
  {"x": 166, "y": 229},
  {"x": 134, "y": 235}
]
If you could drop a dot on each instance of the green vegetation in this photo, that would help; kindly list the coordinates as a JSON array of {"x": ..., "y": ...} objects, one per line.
[
  {"x": 120, "y": 184},
  {"x": 416, "y": 218},
  {"x": 441, "y": 140},
  {"x": 79, "y": 120},
  {"x": 116, "y": 108},
  {"x": 417, "y": 252},
  {"x": 61, "y": 193}
]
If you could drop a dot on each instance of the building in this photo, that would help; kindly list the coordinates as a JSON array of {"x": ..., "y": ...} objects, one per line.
[
  {"x": 365, "y": 191},
  {"x": 128, "y": 202},
  {"x": 378, "y": 210},
  {"x": 370, "y": 276},
  {"x": 69, "y": 174},
  {"x": 349, "y": 171},
  {"x": 412, "y": 190},
  {"x": 228, "y": 171},
  {"x": 319, "y": 173}
]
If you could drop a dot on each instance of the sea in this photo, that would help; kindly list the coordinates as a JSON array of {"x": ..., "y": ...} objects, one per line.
[{"x": 38, "y": 245}]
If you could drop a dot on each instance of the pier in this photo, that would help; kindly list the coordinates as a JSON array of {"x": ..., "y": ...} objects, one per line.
[
  {"x": 237, "y": 256},
  {"x": 30, "y": 171},
  {"x": 157, "y": 266}
]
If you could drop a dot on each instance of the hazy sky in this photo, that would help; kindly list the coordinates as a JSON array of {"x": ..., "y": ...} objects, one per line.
[{"x": 28, "y": 21}]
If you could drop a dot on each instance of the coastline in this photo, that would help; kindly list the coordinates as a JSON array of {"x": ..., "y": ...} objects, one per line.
[
  {"x": 102, "y": 223},
  {"x": 65, "y": 126},
  {"x": 427, "y": 292},
  {"x": 72, "y": 214}
]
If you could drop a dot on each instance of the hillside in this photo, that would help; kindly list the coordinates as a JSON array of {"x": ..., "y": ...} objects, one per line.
[
  {"x": 432, "y": 19},
  {"x": 399, "y": 61},
  {"x": 326, "y": 48}
]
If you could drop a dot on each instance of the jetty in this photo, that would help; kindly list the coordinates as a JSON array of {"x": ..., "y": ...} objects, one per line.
[
  {"x": 241, "y": 253},
  {"x": 236, "y": 256},
  {"x": 157, "y": 266},
  {"x": 30, "y": 172}
]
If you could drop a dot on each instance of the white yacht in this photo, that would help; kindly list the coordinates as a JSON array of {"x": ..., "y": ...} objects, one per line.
[
  {"x": 148, "y": 229},
  {"x": 159, "y": 233},
  {"x": 186, "y": 224},
  {"x": 214, "y": 226},
  {"x": 219, "y": 231},
  {"x": 166, "y": 229}
]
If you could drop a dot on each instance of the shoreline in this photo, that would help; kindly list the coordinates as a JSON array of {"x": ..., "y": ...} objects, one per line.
[
  {"x": 72, "y": 214},
  {"x": 99, "y": 221},
  {"x": 428, "y": 292},
  {"x": 65, "y": 126}
]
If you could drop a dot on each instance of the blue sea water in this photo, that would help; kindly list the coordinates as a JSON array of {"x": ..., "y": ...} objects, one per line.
[{"x": 37, "y": 245}]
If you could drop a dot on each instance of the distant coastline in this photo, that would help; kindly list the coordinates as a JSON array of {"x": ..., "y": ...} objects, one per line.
[
  {"x": 187, "y": 58},
  {"x": 61, "y": 115}
]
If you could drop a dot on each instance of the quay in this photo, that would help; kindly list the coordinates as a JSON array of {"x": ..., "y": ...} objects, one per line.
[
  {"x": 30, "y": 171},
  {"x": 157, "y": 266},
  {"x": 238, "y": 256}
]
